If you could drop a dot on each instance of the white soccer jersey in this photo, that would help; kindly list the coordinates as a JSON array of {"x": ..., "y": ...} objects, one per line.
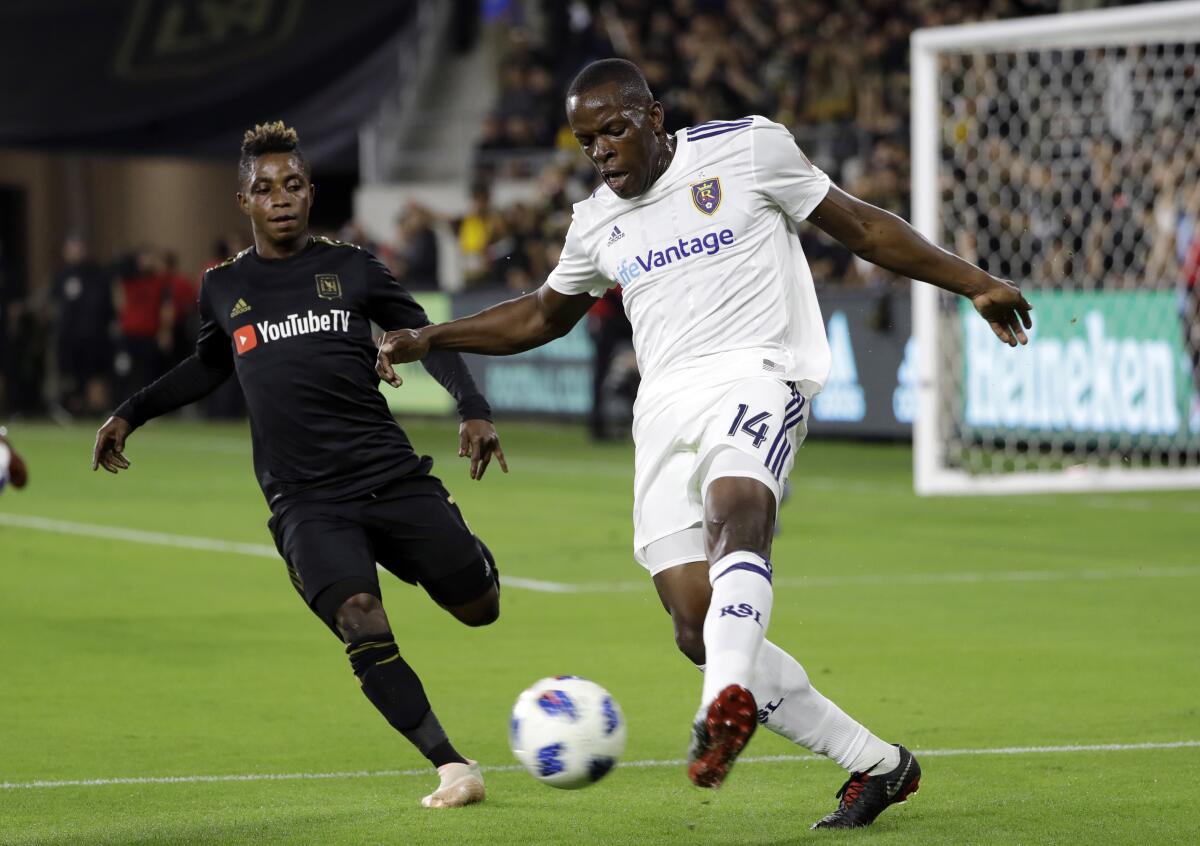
[{"x": 714, "y": 280}]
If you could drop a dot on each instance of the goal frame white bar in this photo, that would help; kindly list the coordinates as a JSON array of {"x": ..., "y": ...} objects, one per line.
[{"x": 1157, "y": 23}]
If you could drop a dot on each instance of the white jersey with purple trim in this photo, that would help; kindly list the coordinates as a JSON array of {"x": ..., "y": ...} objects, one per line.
[{"x": 714, "y": 280}]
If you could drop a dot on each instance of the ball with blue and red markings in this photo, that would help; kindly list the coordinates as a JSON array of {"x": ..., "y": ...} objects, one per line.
[{"x": 567, "y": 731}]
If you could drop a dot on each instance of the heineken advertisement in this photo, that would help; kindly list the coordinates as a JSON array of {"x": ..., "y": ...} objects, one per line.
[{"x": 1097, "y": 363}]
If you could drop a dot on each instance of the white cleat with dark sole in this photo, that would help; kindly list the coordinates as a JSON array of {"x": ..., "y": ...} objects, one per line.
[{"x": 462, "y": 784}]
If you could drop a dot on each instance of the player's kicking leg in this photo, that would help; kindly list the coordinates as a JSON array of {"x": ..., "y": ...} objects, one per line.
[
  {"x": 395, "y": 690},
  {"x": 790, "y": 706},
  {"x": 738, "y": 523},
  {"x": 330, "y": 551},
  {"x": 419, "y": 534},
  {"x": 715, "y": 581}
]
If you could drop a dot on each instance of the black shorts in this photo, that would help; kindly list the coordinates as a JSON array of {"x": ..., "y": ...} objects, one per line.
[{"x": 411, "y": 527}]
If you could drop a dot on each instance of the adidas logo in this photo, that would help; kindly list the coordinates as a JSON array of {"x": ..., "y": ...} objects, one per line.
[
  {"x": 615, "y": 236},
  {"x": 239, "y": 307}
]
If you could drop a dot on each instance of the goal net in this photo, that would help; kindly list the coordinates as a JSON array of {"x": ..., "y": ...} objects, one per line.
[{"x": 1063, "y": 153}]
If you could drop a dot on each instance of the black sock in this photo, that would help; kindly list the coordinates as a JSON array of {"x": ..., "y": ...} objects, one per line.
[{"x": 396, "y": 691}]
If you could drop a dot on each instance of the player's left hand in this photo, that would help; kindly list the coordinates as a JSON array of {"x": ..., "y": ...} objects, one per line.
[
  {"x": 477, "y": 440},
  {"x": 1006, "y": 310}
]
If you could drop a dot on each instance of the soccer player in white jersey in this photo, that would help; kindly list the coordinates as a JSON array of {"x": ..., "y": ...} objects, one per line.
[
  {"x": 12, "y": 466},
  {"x": 699, "y": 230}
]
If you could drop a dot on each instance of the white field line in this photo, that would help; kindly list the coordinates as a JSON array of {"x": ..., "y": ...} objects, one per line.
[
  {"x": 761, "y": 759},
  {"x": 91, "y": 530},
  {"x": 46, "y": 524}
]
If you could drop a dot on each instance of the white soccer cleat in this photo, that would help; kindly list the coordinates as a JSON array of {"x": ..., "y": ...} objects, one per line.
[{"x": 462, "y": 784}]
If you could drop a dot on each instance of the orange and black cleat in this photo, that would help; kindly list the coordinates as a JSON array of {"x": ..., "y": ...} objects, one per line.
[
  {"x": 720, "y": 736},
  {"x": 864, "y": 797}
]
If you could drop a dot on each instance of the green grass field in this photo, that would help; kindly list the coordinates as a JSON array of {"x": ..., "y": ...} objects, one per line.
[{"x": 969, "y": 629}]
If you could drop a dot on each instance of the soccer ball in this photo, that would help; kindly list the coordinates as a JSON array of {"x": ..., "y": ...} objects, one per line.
[{"x": 567, "y": 732}]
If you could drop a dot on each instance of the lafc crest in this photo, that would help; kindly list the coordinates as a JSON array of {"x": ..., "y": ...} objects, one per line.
[
  {"x": 706, "y": 195},
  {"x": 329, "y": 287}
]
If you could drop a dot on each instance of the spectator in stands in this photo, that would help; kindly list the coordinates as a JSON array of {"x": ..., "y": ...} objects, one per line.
[
  {"x": 414, "y": 256},
  {"x": 184, "y": 323},
  {"x": 475, "y": 232},
  {"x": 352, "y": 233},
  {"x": 144, "y": 309},
  {"x": 23, "y": 359},
  {"x": 81, "y": 300},
  {"x": 1190, "y": 312}
]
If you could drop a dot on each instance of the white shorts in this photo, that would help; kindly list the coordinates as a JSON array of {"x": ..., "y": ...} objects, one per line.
[{"x": 750, "y": 428}]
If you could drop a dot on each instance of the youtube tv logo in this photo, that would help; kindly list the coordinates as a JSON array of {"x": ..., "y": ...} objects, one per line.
[{"x": 245, "y": 339}]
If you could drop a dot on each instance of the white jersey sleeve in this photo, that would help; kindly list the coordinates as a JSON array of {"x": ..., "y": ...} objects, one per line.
[
  {"x": 784, "y": 173},
  {"x": 576, "y": 273}
]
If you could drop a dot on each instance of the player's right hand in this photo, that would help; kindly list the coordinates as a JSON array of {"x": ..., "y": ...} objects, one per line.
[
  {"x": 109, "y": 451},
  {"x": 397, "y": 347}
]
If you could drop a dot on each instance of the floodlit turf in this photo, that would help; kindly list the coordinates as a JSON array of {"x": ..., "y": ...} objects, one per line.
[{"x": 967, "y": 624}]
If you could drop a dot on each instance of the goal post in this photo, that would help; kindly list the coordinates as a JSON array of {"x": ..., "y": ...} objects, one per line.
[{"x": 1062, "y": 152}]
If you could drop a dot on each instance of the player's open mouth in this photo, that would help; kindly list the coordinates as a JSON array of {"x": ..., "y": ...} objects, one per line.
[
  {"x": 615, "y": 179},
  {"x": 283, "y": 220}
]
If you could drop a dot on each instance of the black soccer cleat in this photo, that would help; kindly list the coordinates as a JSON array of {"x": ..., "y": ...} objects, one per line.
[{"x": 864, "y": 797}]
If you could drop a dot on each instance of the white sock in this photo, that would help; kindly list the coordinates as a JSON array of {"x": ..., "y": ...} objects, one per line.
[
  {"x": 737, "y": 621},
  {"x": 790, "y": 706}
]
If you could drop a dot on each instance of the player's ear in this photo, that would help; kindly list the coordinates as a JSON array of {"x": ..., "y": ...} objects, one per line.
[
  {"x": 657, "y": 115},
  {"x": 243, "y": 203}
]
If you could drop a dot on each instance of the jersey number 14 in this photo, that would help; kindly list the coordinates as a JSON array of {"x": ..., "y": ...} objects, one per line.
[{"x": 755, "y": 426}]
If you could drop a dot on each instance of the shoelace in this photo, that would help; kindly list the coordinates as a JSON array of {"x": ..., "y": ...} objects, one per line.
[
  {"x": 854, "y": 785},
  {"x": 850, "y": 790}
]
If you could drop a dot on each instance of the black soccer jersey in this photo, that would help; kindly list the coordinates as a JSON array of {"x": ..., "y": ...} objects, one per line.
[{"x": 297, "y": 331}]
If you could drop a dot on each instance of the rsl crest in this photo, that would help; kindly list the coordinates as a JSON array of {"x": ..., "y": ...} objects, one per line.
[
  {"x": 706, "y": 195},
  {"x": 329, "y": 287}
]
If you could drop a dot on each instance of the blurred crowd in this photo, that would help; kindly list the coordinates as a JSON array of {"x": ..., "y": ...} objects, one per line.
[
  {"x": 103, "y": 329},
  {"x": 837, "y": 75}
]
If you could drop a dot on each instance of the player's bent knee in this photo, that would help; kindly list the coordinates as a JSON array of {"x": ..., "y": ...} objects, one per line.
[
  {"x": 359, "y": 614},
  {"x": 690, "y": 640},
  {"x": 479, "y": 612}
]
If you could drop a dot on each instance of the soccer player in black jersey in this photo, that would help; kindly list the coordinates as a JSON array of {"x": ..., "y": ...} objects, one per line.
[{"x": 291, "y": 316}]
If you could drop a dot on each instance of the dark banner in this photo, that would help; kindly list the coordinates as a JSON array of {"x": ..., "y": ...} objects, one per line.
[
  {"x": 554, "y": 380},
  {"x": 870, "y": 387},
  {"x": 869, "y": 392},
  {"x": 186, "y": 77}
]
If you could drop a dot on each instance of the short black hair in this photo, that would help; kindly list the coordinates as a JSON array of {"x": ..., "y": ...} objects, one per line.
[
  {"x": 273, "y": 137},
  {"x": 627, "y": 76}
]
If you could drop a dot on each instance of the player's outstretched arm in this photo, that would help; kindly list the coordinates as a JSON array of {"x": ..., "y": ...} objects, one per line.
[
  {"x": 190, "y": 380},
  {"x": 884, "y": 239},
  {"x": 505, "y": 329}
]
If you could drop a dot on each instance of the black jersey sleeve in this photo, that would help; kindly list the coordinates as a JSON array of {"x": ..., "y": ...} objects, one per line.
[
  {"x": 192, "y": 379},
  {"x": 392, "y": 307}
]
